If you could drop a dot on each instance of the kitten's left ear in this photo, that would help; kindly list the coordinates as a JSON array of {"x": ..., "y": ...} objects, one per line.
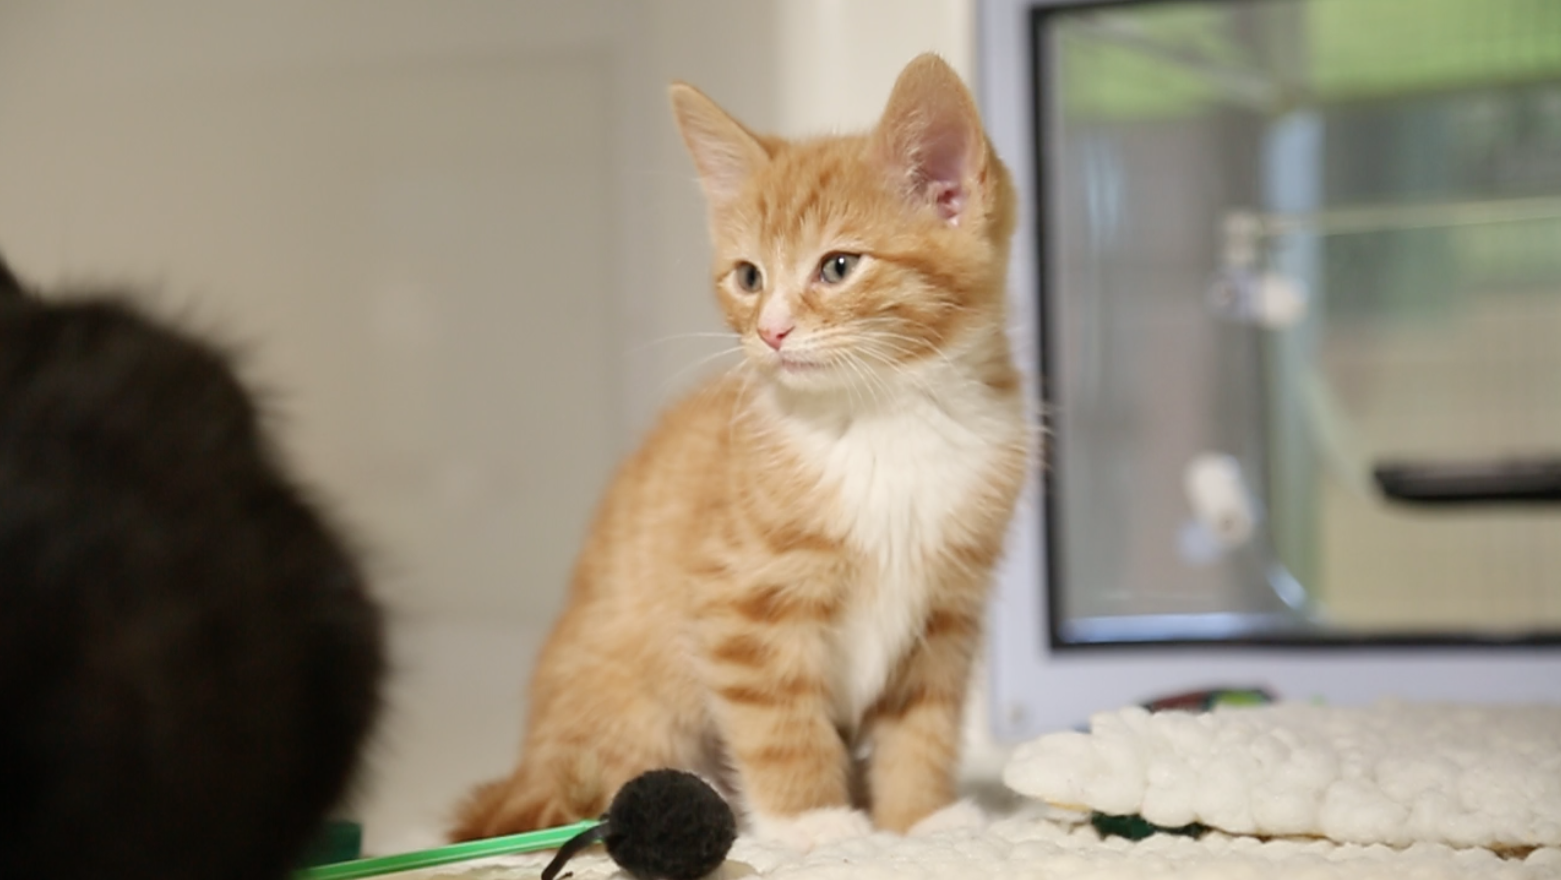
[{"x": 931, "y": 138}]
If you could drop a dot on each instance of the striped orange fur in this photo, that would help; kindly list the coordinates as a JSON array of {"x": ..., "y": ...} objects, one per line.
[{"x": 792, "y": 568}]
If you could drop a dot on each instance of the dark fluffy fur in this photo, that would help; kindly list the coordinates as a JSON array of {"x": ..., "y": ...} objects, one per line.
[{"x": 189, "y": 658}]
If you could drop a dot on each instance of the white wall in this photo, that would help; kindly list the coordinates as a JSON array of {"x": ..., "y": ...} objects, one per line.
[
  {"x": 406, "y": 215},
  {"x": 839, "y": 58}
]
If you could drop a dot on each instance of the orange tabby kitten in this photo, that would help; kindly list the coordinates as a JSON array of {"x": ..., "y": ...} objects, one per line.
[{"x": 796, "y": 561}]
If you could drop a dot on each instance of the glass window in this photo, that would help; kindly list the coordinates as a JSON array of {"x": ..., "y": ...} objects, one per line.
[{"x": 1302, "y": 328}]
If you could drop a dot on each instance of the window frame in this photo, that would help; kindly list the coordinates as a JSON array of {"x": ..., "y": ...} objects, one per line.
[{"x": 1035, "y": 683}]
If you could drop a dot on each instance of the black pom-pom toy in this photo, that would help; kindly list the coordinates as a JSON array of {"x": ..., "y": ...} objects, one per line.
[{"x": 662, "y": 825}]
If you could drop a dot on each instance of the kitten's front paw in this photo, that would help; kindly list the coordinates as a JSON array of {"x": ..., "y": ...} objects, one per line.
[
  {"x": 814, "y": 828},
  {"x": 958, "y": 815}
]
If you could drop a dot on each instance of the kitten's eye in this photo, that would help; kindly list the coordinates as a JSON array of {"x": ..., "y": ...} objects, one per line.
[
  {"x": 836, "y": 267},
  {"x": 749, "y": 278}
]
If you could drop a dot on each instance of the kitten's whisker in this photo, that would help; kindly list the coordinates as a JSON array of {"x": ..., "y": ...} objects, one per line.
[
  {"x": 678, "y": 337},
  {"x": 743, "y": 404},
  {"x": 897, "y": 369},
  {"x": 851, "y": 387},
  {"x": 880, "y": 376},
  {"x": 923, "y": 343},
  {"x": 877, "y": 380},
  {"x": 870, "y": 327},
  {"x": 667, "y": 383},
  {"x": 884, "y": 347},
  {"x": 866, "y": 379},
  {"x": 709, "y": 387}
]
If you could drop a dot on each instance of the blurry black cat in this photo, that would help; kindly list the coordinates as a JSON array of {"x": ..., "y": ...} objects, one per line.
[{"x": 190, "y": 661}]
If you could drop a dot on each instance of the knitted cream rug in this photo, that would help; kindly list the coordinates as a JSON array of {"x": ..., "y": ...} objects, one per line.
[{"x": 1286, "y": 791}]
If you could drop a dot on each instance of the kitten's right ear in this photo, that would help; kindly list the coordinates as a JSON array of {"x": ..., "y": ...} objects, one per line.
[{"x": 725, "y": 152}]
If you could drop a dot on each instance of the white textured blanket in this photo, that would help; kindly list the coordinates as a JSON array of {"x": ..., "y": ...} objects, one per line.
[
  {"x": 1394, "y": 773},
  {"x": 1026, "y": 846},
  {"x": 1425, "y": 792}
]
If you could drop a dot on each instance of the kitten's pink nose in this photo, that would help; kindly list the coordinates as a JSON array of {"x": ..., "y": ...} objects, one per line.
[{"x": 774, "y": 334}]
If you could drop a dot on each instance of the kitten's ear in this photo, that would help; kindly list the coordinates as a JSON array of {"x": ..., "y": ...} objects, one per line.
[
  {"x": 725, "y": 152},
  {"x": 930, "y": 136}
]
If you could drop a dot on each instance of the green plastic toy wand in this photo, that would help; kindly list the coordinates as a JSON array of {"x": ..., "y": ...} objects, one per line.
[
  {"x": 531, "y": 841},
  {"x": 662, "y": 823}
]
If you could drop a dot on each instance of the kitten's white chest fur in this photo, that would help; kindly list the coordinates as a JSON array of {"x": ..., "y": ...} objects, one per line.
[{"x": 900, "y": 474}]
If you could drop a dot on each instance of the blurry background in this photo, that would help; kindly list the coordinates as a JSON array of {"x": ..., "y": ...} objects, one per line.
[{"x": 454, "y": 239}]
